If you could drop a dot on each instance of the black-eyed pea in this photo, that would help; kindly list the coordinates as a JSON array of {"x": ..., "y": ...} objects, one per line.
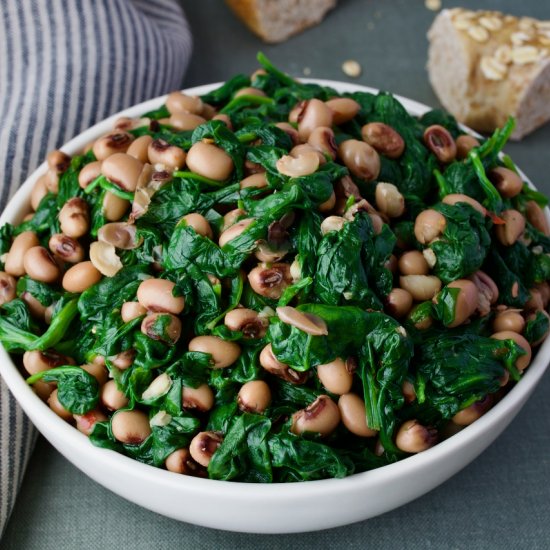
[
  {"x": 441, "y": 143},
  {"x": 124, "y": 360},
  {"x": 89, "y": 173},
  {"x": 203, "y": 446},
  {"x": 85, "y": 423},
  {"x": 322, "y": 417},
  {"x": 170, "y": 156},
  {"x": 389, "y": 200},
  {"x": 116, "y": 142},
  {"x": 522, "y": 361},
  {"x": 343, "y": 109},
  {"x": 210, "y": 161},
  {"x": 413, "y": 263},
  {"x": 409, "y": 393},
  {"x": 121, "y": 235},
  {"x": 7, "y": 288},
  {"x": 223, "y": 353},
  {"x": 455, "y": 198},
  {"x": 234, "y": 231},
  {"x": 257, "y": 181},
  {"x": 40, "y": 265},
  {"x": 225, "y": 119},
  {"x": 162, "y": 326},
  {"x": 112, "y": 398},
  {"x": 66, "y": 248},
  {"x": 332, "y": 223},
  {"x": 123, "y": 170},
  {"x": 512, "y": 228},
  {"x": 179, "y": 102},
  {"x": 208, "y": 112},
  {"x": 335, "y": 376},
  {"x": 185, "y": 121},
  {"x": 306, "y": 322},
  {"x": 421, "y": 287},
  {"x": 58, "y": 161},
  {"x": 313, "y": 113},
  {"x": 36, "y": 361},
  {"x": 386, "y": 140},
  {"x": 354, "y": 416},
  {"x": 306, "y": 148},
  {"x": 429, "y": 225},
  {"x": 508, "y": 183},
  {"x": 322, "y": 139},
  {"x": 36, "y": 309},
  {"x": 509, "y": 319},
  {"x": 74, "y": 218},
  {"x": 14, "y": 264},
  {"x": 328, "y": 205},
  {"x": 254, "y": 397},
  {"x": 39, "y": 191},
  {"x": 470, "y": 414},
  {"x": 413, "y": 437},
  {"x": 360, "y": 158},
  {"x": 130, "y": 427},
  {"x": 139, "y": 148},
  {"x": 464, "y": 144},
  {"x": 58, "y": 408},
  {"x": 270, "y": 281},
  {"x": 247, "y": 321},
  {"x": 157, "y": 295},
  {"x": 398, "y": 303},
  {"x": 42, "y": 389},
  {"x": 466, "y": 301},
  {"x": 200, "y": 398},
  {"x": 290, "y": 131},
  {"x": 114, "y": 207},
  {"x": 271, "y": 364},
  {"x": 295, "y": 166},
  {"x": 80, "y": 277},
  {"x": 536, "y": 217},
  {"x": 98, "y": 371},
  {"x": 487, "y": 291},
  {"x": 199, "y": 224},
  {"x": 249, "y": 90},
  {"x": 131, "y": 310},
  {"x": 180, "y": 462}
]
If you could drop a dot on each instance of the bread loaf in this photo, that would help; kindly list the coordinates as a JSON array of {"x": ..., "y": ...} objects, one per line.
[
  {"x": 485, "y": 66},
  {"x": 276, "y": 20}
]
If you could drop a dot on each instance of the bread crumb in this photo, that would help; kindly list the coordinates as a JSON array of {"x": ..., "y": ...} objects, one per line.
[
  {"x": 434, "y": 5},
  {"x": 351, "y": 68}
]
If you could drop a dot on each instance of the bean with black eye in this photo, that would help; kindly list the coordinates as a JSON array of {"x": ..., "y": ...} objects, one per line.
[
  {"x": 74, "y": 218},
  {"x": 464, "y": 144},
  {"x": 40, "y": 265},
  {"x": 162, "y": 326},
  {"x": 13, "y": 263},
  {"x": 58, "y": 161},
  {"x": 223, "y": 353},
  {"x": 360, "y": 158},
  {"x": 508, "y": 183},
  {"x": 204, "y": 445},
  {"x": 123, "y": 170},
  {"x": 131, "y": 310},
  {"x": 335, "y": 376},
  {"x": 322, "y": 417},
  {"x": 158, "y": 295},
  {"x": 353, "y": 414},
  {"x": 322, "y": 139},
  {"x": 66, "y": 248},
  {"x": 139, "y": 148},
  {"x": 89, "y": 173},
  {"x": 343, "y": 109},
  {"x": 7, "y": 288},
  {"x": 200, "y": 398},
  {"x": 313, "y": 113},
  {"x": 58, "y": 408},
  {"x": 80, "y": 277},
  {"x": 199, "y": 223},
  {"x": 112, "y": 397},
  {"x": 210, "y": 161},
  {"x": 413, "y": 437},
  {"x": 186, "y": 121},
  {"x": 428, "y": 225},
  {"x": 117, "y": 142},
  {"x": 385, "y": 139},
  {"x": 180, "y": 462},
  {"x": 398, "y": 302},
  {"x": 271, "y": 364},
  {"x": 254, "y": 397},
  {"x": 114, "y": 207},
  {"x": 440, "y": 142},
  {"x": 270, "y": 281},
  {"x": 130, "y": 427},
  {"x": 162, "y": 152},
  {"x": 178, "y": 102},
  {"x": 247, "y": 321}
]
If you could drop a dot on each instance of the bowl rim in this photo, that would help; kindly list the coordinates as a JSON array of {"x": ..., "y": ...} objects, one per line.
[{"x": 45, "y": 419}]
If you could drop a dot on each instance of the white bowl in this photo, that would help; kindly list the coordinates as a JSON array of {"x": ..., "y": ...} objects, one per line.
[{"x": 261, "y": 508}]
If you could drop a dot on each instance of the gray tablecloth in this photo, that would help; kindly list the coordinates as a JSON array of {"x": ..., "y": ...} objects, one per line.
[{"x": 499, "y": 501}]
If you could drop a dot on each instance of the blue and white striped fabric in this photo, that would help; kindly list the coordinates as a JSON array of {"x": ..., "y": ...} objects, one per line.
[{"x": 63, "y": 67}]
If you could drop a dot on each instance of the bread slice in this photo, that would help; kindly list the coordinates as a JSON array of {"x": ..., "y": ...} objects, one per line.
[
  {"x": 485, "y": 66},
  {"x": 276, "y": 20}
]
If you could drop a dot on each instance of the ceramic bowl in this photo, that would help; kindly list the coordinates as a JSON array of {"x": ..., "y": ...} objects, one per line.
[{"x": 261, "y": 508}]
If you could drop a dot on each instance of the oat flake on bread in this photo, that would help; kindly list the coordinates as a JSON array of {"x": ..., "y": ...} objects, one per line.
[{"x": 485, "y": 66}]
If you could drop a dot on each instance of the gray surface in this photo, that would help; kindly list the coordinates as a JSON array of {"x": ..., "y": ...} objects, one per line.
[{"x": 499, "y": 501}]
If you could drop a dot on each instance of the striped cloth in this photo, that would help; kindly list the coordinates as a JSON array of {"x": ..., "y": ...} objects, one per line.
[{"x": 63, "y": 67}]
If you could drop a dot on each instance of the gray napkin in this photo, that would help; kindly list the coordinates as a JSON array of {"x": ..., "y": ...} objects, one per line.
[{"x": 63, "y": 67}]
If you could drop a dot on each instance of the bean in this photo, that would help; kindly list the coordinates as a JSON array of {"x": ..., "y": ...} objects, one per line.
[
  {"x": 509, "y": 320},
  {"x": 464, "y": 144},
  {"x": 39, "y": 191},
  {"x": 185, "y": 121},
  {"x": 258, "y": 181},
  {"x": 225, "y": 119},
  {"x": 130, "y": 427},
  {"x": 391, "y": 263},
  {"x": 295, "y": 166},
  {"x": 51, "y": 181},
  {"x": 180, "y": 462},
  {"x": 111, "y": 397},
  {"x": 158, "y": 295},
  {"x": 512, "y": 228},
  {"x": 360, "y": 158},
  {"x": 487, "y": 291},
  {"x": 139, "y": 149},
  {"x": 162, "y": 326},
  {"x": 306, "y": 322},
  {"x": 384, "y": 139},
  {"x": 98, "y": 371},
  {"x": 232, "y": 217},
  {"x": 58, "y": 161},
  {"x": 204, "y": 445},
  {"x": 58, "y": 408},
  {"x": 271, "y": 364},
  {"x": 313, "y": 113},
  {"x": 413, "y": 437},
  {"x": 428, "y": 225},
  {"x": 74, "y": 218},
  {"x": 170, "y": 156},
  {"x": 80, "y": 277},
  {"x": 470, "y": 414},
  {"x": 536, "y": 217},
  {"x": 322, "y": 139},
  {"x": 535, "y": 301},
  {"x": 290, "y": 131},
  {"x": 66, "y": 248},
  {"x": 455, "y": 198},
  {"x": 200, "y": 399},
  {"x": 523, "y": 361},
  {"x": 398, "y": 302},
  {"x": 223, "y": 353},
  {"x": 328, "y": 205},
  {"x": 36, "y": 361},
  {"x": 421, "y": 287},
  {"x": 335, "y": 376},
  {"x": 123, "y": 170},
  {"x": 466, "y": 301},
  {"x": 41, "y": 265},
  {"x": 441, "y": 143},
  {"x": 354, "y": 415},
  {"x": 508, "y": 183},
  {"x": 249, "y": 90},
  {"x": 389, "y": 200},
  {"x": 322, "y": 417},
  {"x": 116, "y": 142},
  {"x": 234, "y": 231},
  {"x": 178, "y": 102},
  {"x": 7, "y": 288},
  {"x": 254, "y": 397},
  {"x": 131, "y": 310},
  {"x": 119, "y": 234},
  {"x": 247, "y": 321},
  {"x": 271, "y": 281},
  {"x": 104, "y": 257},
  {"x": 210, "y": 161},
  {"x": 332, "y": 223},
  {"x": 114, "y": 207},
  {"x": 199, "y": 224},
  {"x": 14, "y": 264},
  {"x": 343, "y": 109},
  {"x": 85, "y": 423},
  {"x": 36, "y": 309},
  {"x": 124, "y": 360},
  {"x": 409, "y": 393},
  {"x": 42, "y": 389},
  {"x": 89, "y": 173},
  {"x": 413, "y": 263}
]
